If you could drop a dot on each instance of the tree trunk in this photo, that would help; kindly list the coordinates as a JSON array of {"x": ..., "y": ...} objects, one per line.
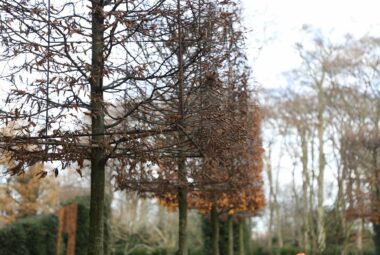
[
  {"x": 182, "y": 223},
  {"x": 359, "y": 237},
  {"x": 182, "y": 176},
  {"x": 305, "y": 192},
  {"x": 230, "y": 227},
  {"x": 376, "y": 169},
  {"x": 296, "y": 211},
  {"x": 313, "y": 228},
  {"x": 280, "y": 241},
  {"x": 249, "y": 237},
  {"x": 341, "y": 205},
  {"x": 376, "y": 238},
  {"x": 241, "y": 238},
  {"x": 321, "y": 238},
  {"x": 215, "y": 231},
  {"x": 98, "y": 161},
  {"x": 271, "y": 198}
]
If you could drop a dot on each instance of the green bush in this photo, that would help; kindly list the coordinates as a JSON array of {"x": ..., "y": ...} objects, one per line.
[
  {"x": 30, "y": 236},
  {"x": 83, "y": 224},
  {"x": 258, "y": 250},
  {"x": 157, "y": 251},
  {"x": 37, "y": 235}
]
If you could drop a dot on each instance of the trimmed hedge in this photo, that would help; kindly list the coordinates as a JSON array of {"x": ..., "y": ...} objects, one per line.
[
  {"x": 30, "y": 236},
  {"x": 83, "y": 224},
  {"x": 37, "y": 235},
  {"x": 292, "y": 250}
]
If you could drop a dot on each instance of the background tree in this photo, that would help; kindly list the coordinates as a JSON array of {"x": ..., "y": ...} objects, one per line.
[{"x": 348, "y": 93}]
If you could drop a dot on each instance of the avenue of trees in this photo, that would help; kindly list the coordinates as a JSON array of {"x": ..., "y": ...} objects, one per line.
[
  {"x": 149, "y": 108},
  {"x": 151, "y": 96}
]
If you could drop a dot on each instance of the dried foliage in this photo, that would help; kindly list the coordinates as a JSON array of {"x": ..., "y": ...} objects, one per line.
[
  {"x": 26, "y": 194},
  {"x": 163, "y": 82}
]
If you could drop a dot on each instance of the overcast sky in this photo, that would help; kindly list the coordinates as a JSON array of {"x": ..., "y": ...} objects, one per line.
[{"x": 275, "y": 27}]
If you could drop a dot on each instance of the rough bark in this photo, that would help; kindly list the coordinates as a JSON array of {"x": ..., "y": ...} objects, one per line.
[{"x": 95, "y": 246}]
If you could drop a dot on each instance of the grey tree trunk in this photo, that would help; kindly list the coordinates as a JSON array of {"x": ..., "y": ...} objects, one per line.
[
  {"x": 341, "y": 207},
  {"x": 278, "y": 219},
  {"x": 321, "y": 238},
  {"x": 296, "y": 211},
  {"x": 305, "y": 192},
  {"x": 313, "y": 234},
  {"x": 98, "y": 160},
  {"x": 271, "y": 196},
  {"x": 214, "y": 231}
]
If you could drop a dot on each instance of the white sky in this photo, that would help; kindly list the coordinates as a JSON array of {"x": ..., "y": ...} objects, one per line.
[{"x": 275, "y": 28}]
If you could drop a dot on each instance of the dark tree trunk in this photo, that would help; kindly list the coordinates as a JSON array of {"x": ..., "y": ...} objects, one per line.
[
  {"x": 230, "y": 227},
  {"x": 98, "y": 161},
  {"x": 182, "y": 191},
  {"x": 241, "y": 238},
  {"x": 215, "y": 231},
  {"x": 182, "y": 214},
  {"x": 376, "y": 238}
]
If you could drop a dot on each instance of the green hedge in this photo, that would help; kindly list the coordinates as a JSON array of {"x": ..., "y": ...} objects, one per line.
[
  {"x": 156, "y": 251},
  {"x": 37, "y": 235},
  {"x": 30, "y": 236},
  {"x": 83, "y": 224},
  {"x": 292, "y": 251}
]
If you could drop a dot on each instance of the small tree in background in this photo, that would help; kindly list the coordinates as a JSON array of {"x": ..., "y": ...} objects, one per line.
[{"x": 25, "y": 194}]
